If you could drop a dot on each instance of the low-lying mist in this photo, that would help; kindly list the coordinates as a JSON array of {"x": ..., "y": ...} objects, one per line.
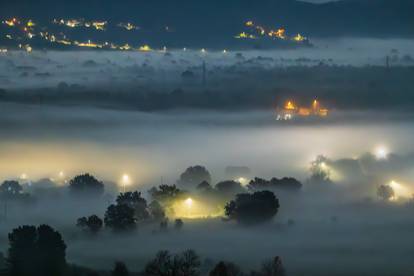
[
  {"x": 339, "y": 227},
  {"x": 136, "y": 121}
]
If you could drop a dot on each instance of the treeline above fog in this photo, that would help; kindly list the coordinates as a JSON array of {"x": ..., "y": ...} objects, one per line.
[{"x": 239, "y": 88}]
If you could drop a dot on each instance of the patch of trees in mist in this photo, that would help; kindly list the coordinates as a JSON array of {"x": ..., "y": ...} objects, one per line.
[
  {"x": 41, "y": 250},
  {"x": 246, "y": 86}
]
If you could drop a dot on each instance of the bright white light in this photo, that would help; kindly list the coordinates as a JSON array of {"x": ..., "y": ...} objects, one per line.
[
  {"x": 400, "y": 190},
  {"x": 381, "y": 153},
  {"x": 189, "y": 202},
  {"x": 61, "y": 174},
  {"x": 242, "y": 180},
  {"x": 125, "y": 179},
  {"x": 23, "y": 176}
]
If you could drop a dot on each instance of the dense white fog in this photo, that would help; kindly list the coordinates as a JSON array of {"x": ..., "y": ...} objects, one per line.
[
  {"x": 338, "y": 228},
  {"x": 41, "y": 141},
  {"x": 159, "y": 68}
]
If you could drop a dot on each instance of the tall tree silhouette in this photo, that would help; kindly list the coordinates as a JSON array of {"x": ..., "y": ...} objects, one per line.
[{"x": 36, "y": 251}]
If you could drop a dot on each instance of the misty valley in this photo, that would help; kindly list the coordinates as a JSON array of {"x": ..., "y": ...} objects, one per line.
[{"x": 195, "y": 138}]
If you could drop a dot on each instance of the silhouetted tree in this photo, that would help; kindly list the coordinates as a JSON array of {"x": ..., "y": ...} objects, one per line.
[
  {"x": 87, "y": 185},
  {"x": 120, "y": 269},
  {"x": 225, "y": 269},
  {"x": 204, "y": 186},
  {"x": 135, "y": 201},
  {"x": 229, "y": 187},
  {"x": 194, "y": 176},
  {"x": 285, "y": 183},
  {"x": 167, "y": 195},
  {"x": 178, "y": 224},
  {"x": 385, "y": 192},
  {"x": 253, "y": 208},
  {"x": 36, "y": 251},
  {"x": 273, "y": 268},
  {"x": 120, "y": 217},
  {"x": 319, "y": 173},
  {"x": 92, "y": 224},
  {"x": 10, "y": 187},
  {"x": 164, "y": 264},
  {"x": 188, "y": 263},
  {"x": 156, "y": 210}
]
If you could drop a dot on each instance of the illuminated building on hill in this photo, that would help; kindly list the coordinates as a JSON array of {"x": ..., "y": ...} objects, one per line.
[{"x": 290, "y": 110}]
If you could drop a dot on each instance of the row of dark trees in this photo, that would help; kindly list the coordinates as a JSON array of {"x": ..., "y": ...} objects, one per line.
[
  {"x": 35, "y": 251},
  {"x": 196, "y": 177},
  {"x": 129, "y": 210}
]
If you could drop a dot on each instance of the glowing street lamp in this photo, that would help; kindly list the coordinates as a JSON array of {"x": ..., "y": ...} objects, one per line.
[
  {"x": 242, "y": 180},
  {"x": 125, "y": 181},
  {"x": 189, "y": 202},
  {"x": 23, "y": 176},
  {"x": 381, "y": 153}
]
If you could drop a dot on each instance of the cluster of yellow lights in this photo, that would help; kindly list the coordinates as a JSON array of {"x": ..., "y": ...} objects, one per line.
[
  {"x": 279, "y": 33},
  {"x": 245, "y": 35},
  {"x": 194, "y": 209},
  {"x": 400, "y": 191},
  {"x": 88, "y": 44},
  {"x": 145, "y": 48},
  {"x": 290, "y": 109},
  {"x": 26, "y": 47},
  {"x": 11, "y": 23},
  {"x": 76, "y": 23},
  {"x": 128, "y": 26},
  {"x": 29, "y": 26}
]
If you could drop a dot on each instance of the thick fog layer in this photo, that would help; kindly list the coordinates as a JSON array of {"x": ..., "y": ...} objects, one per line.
[
  {"x": 159, "y": 68},
  {"x": 53, "y": 128},
  {"x": 42, "y": 141}
]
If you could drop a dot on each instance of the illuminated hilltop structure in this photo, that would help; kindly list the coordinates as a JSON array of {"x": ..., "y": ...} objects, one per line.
[{"x": 290, "y": 111}]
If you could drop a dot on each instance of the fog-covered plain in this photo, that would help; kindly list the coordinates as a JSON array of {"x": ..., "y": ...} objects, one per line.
[
  {"x": 41, "y": 141},
  {"x": 339, "y": 228},
  {"x": 161, "y": 69}
]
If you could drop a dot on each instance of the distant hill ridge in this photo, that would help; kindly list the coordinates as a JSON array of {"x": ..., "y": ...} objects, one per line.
[{"x": 380, "y": 18}]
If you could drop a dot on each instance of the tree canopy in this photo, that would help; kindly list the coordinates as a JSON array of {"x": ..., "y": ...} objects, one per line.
[
  {"x": 285, "y": 183},
  {"x": 385, "y": 192},
  {"x": 164, "y": 264},
  {"x": 10, "y": 187},
  {"x": 135, "y": 201},
  {"x": 36, "y": 251},
  {"x": 92, "y": 224},
  {"x": 193, "y": 176},
  {"x": 120, "y": 217},
  {"x": 253, "y": 208},
  {"x": 120, "y": 269},
  {"x": 87, "y": 185}
]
